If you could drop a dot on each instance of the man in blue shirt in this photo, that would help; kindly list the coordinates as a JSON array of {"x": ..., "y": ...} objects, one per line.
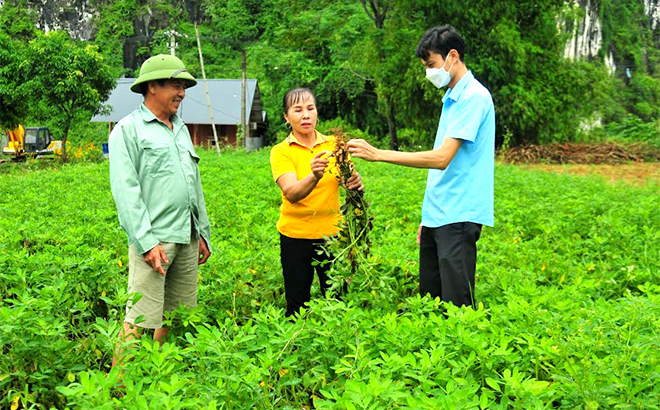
[{"x": 459, "y": 190}]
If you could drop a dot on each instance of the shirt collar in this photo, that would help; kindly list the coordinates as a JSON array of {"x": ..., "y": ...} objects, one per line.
[
  {"x": 320, "y": 139},
  {"x": 455, "y": 93},
  {"x": 149, "y": 116}
]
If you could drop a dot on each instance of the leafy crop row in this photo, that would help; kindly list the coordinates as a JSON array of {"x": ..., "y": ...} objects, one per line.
[{"x": 568, "y": 289}]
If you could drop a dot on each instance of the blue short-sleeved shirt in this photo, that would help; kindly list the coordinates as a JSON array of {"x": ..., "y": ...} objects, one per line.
[{"x": 464, "y": 191}]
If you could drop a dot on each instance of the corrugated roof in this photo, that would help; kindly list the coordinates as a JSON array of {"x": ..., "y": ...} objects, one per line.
[{"x": 225, "y": 100}]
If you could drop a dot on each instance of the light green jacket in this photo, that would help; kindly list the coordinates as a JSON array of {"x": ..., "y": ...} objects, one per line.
[{"x": 155, "y": 181}]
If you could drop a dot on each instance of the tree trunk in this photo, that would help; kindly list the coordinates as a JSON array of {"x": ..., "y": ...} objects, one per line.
[
  {"x": 391, "y": 125},
  {"x": 376, "y": 12}
]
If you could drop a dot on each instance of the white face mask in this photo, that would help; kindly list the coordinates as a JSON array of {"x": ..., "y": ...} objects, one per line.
[{"x": 439, "y": 76}]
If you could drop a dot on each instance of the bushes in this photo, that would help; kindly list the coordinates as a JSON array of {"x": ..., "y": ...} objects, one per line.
[{"x": 633, "y": 129}]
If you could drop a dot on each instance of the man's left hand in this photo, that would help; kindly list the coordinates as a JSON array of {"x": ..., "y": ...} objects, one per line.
[
  {"x": 204, "y": 252},
  {"x": 362, "y": 149}
]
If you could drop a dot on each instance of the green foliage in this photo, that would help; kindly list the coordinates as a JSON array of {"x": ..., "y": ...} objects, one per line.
[
  {"x": 361, "y": 63},
  {"x": 567, "y": 280},
  {"x": 237, "y": 20},
  {"x": 115, "y": 30},
  {"x": 12, "y": 104},
  {"x": 626, "y": 39},
  {"x": 17, "y": 26},
  {"x": 85, "y": 132},
  {"x": 139, "y": 29},
  {"x": 642, "y": 97},
  {"x": 18, "y": 20},
  {"x": 71, "y": 79},
  {"x": 362, "y": 71},
  {"x": 304, "y": 45},
  {"x": 634, "y": 49},
  {"x": 517, "y": 53},
  {"x": 329, "y": 127},
  {"x": 632, "y": 129}
]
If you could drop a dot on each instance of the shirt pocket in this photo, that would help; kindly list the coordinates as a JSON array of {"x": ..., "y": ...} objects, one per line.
[
  {"x": 193, "y": 156},
  {"x": 158, "y": 161}
]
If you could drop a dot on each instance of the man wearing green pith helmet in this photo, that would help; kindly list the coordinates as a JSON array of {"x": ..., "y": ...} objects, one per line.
[{"x": 156, "y": 185}]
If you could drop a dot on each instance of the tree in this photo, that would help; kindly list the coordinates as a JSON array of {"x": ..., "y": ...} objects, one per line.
[
  {"x": 237, "y": 21},
  {"x": 69, "y": 78},
  {"x": 516, "y": 51},
  {"x": 377, "y": 11},
  {"x": 311, "y": 45},
  {"x": 358, "y": 56},
  {"x": 13, "y": 105},
  {"x": 17, "y": 26},
  {"x": 18, "y": 20},
  {"x": 137, "y": 27}
]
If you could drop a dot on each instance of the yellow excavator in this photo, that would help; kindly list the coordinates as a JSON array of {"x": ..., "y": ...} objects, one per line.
[{"x": 30, "y": 142}]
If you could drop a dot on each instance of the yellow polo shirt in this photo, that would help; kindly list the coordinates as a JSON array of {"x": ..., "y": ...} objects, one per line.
[{"x": 318, "y": 214}]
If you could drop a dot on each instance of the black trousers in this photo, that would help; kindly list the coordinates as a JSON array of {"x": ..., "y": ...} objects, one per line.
[
  {"x": 447, "y": 262},
  {"x": 297, "y": 256}
]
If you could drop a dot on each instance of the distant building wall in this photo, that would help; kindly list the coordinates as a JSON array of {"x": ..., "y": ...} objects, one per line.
[{"x": 202, "y": 134}]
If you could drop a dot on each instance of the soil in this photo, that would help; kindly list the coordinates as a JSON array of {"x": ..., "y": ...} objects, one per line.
[
  {"x": 637, "y": 173},
  {"x": 636, "y": 164},
  {"x": 571, "y": 153}
]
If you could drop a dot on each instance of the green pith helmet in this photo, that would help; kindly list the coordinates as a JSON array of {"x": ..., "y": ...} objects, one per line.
[{"x": 162, "y": 67}]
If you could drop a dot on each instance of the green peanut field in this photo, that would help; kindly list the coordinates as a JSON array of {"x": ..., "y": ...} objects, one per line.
[{"x": 568, "y": 290}]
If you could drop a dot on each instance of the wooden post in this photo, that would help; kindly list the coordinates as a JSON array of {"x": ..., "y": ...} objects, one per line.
[
  {"x": 244, "y": 117},
  {"x": 206, "y": 90}
]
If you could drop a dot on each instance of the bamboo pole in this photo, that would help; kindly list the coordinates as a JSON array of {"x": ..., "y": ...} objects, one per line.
[{"x": 206, "y": 90}]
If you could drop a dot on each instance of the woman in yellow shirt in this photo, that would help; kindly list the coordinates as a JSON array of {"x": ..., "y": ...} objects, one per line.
[{"x": 310, "y": 198}]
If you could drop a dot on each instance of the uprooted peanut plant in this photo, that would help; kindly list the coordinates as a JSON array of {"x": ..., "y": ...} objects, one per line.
[{"x": 350, "y": 248}]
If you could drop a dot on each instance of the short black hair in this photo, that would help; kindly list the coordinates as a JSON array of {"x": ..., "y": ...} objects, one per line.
[
  {"x": 441, "y": 40},
  {"x": 295, "y": 95},
  {"x": 144, "y": 87}
]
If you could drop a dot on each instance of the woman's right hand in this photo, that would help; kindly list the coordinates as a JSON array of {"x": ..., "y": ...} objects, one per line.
[
  {"x": 294, "y": 189},
  {"x": 319, "y": 165}
]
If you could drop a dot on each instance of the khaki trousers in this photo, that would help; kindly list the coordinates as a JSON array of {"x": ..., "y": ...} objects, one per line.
[{"x": 159, "y": 293}]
